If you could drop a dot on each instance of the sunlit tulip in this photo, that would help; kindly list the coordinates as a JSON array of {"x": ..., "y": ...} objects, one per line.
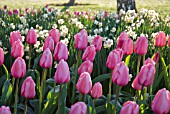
[
  {"x": 55, "y": 34},
  {"x": 127, "y": 46},
  {"x": 97, "y": 42},
  {"x": 160, "y": 39},
  {"x": 86, "y": 66},
  {"x": 89, "y": 53},
  {"x": 5, "y": 110},
  {"x": 78, "y": 108},
  {"x": 1, "y": 56},
  {"x": 169, "y": 40},
  {"x": 61, "y": 52},
  {"x": 17, "y": 49},
  {"x": 49, "y": 43},
  {"x": 14, "y": 36},
  {"x": 31, "y": 37},
  {"x": 96, "y": 91},
  {"x": 141, "y": 45},
  {"x": 136, "y": 84},
  {"x": 123, "y": 36},
  {"x": 130, "y": 107},
  {"x": 156, "y": 57}
]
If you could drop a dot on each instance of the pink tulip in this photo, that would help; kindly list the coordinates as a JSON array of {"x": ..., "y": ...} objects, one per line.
[
  {"x": 81, "y": 40},
  {"x": 160, "y": 39},
  {"x": 127, "y": 46},
  {"x": 141, "y": 45},
  {"x": 17, "y": 49},
  {"x": 115, "y": 56},
  {"x": 60, "y": 52},
  {"x": 149, "y": 60},
  {"x": 161, "y": 102},
  {"x": 130, "y": 107},
  {"x": 49, "y": 43},
  {"x": 84, "y": 83},
  {"x": 123, "y": 36},
  {"x": 14, "y": 36},
  {"x": 31, "y": 37},
  {"x": 89, "y": 53},
  {"x": 136, "y": 84},
  {"x": 5, "y": 110},
  {"x": 86, "y": 66},
  {"x": 28, "y": 88},
  {"x": 120, "y": 75},
  {"x": 97, "y": 42},
  {"x": 78, "y": 108},
  {"x": 18, "y": 69},
  {"x": 55, "y": 34},
  {"x": 169, "y": 40},
  {"x": 156, "y": 57},
  {"x": 1, "y": 56},
  {"x": 96, "y": 91},
  {"x": 46, "y": 59},
  {"x": 62, "y": 74}
]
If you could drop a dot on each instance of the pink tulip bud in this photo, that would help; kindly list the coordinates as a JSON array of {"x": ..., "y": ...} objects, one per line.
[
  {"x": 130, "y": 107},
  {"x": 123, "y": 36},
  {"x": 120, "y": 75},
  {"x": 14, "y": 36},
  {"x": 46, "y": 59},
  {"x": 136, "y": 84},
  {"x": 149, "y": 60},
  {"x": 127, "y": 46},
  {"x": 160, "y": 39},
  {"x": 115, "y": 57},
  {"x": 28, "y": 88},
  {"x": 18, "y": 69},
  {"x": 86, "y": 66},
  {"x": 84, "y": 83},
  {"x": 156, "y": 57},
  {"x": 17, "y": 49},
  {"x": 141, "y": 45},
  {"x": 78, "y": 108},
  {"x": 31, "y": 37},
  {"x": 89, "y": 53},
  {"x": 96, "y": 91},
  {"x": 55, "y": 34},
  {"x": 1, "y": 56},
  {"x": 81, "y": 40},
  {"x": 97, "y": 42},
  {"x": 5, "y": 110},
  {"x": 169, "y": 40},
  {"x": 161, "y": 102},
  {"x": 62, "y": 74},
  {"x": 49, "y": 43},
  {"x": 60, "y": 52}
]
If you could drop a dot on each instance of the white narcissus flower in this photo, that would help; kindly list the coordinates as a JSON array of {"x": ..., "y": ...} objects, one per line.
[
  {"x": 65, "y": 41},
  {"x": 96, "y": 22},
  {"x": 37, "y": 44},
  {"x": 27, "y": 48},
  {"x": 108, "y": 43},
  {"x": 113, "y": 29},
  {"x": 74, "y": 20},
  {"x": 100, "y": 24},
  {"x": 45, "y": 16},
  {"x": 60, "y": 21},
  {"x": 90, "y": 38}
]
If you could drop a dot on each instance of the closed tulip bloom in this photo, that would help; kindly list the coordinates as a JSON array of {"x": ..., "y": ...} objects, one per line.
[
  {"x": 46, "y": 59},
  {"x": 97, "y": 42},
  {"x": 49, "y": 43},
  {"x": 84, "y": 83},
  {"x": 130, "y": 107},
  {"x": 31, "y": 37},
  {"x": 78, "y": 108},
  {"x": 115, "y": 57},
  {"x": 86, "y": 66},
  {"x": 141, "y": 45},
  {"x": 127, "y": 46},
  {"x": 1, "y": 56},
  {"x": 160, "y": 39},
  {"x": 156, "y": 57},
  {"x": 169, "y": 40},
  {"x": 60, "y": 52},
  {"x": 89, "y": 53},
  {"x": 96, "y": 91},
  {"x": 123, "y": 37},
  {"x": 149, "y": 60},
  {"x": 55, "y": 34},
  {"x": 28, "y": 88},
  {"x": 14, "y": 36},
  {"x": 17, "y": 49},
  {"x": 120, "y": 75},
  {"x": 81, "y": 40},
  {"x": 136, "y": 84},
  {"x": 5, "y": 110},
  {"x": 18, "y": 69},
  {"x": 62, "y": 74},
  {"x": 161, "y": 102}
]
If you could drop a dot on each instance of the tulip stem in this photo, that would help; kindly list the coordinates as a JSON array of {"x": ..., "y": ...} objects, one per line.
[
  {"x": 143, "y": 59},
  {"x": 16, "y": 96},
  {"x": 60, "y": 92},
  {"x": 117, "y": 96},
  {"x": 25, "y": 108},
  {"x": 110, "y": 87},
  {"x": 80, "y": 97},
  {"x": 30, "y": 51},
  {"x": 138, "y": 64},
  {"x": 6, "y": 72}
]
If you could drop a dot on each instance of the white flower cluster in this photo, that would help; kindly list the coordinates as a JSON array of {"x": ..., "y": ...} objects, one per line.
[
  {"x": 108, "y": 43},
  {"x": 64, "y": 30},
  {"x": 130, "y": 16},
  {"x": 167, "y": 20}
]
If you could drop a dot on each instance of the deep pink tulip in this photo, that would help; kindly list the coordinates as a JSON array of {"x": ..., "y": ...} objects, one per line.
[
  {"x": 10, "y": 13},
  {"x": 31, "y": 37},
  {"x": 17, "y": 49},
  {"x": 86, "y": 66},
  {"x": 84, "y": 83},
  {"x": 149, "y": 60},
  {"x": 60, "y": 52},
  {"x": 123, "y": 36},
  {"x": 96, "y": 91},
  {"x": 28, "y": 88},
  {"x": 62, "y": 74},
  {"x": 55, "y": 34},
  {"x": 1, "y": 56},
  {"x": 127, "y": 46},
  {"x": 46, "y": 59},
  {"x": 161, "y": 102},
  {"x": 120, "y": 75},
  {"x": 14, "y": 36},
  {"x": 115, "y": 56},
  {"x": 18, "y": 69},
  {"x": 169, "y": 40},
  {"x": 49, "y": 43},
  {"x": 97, "y": 42},
  {"x": 78, "y": 108},
  {"x": 16, "y": 11},
  {"x": 141, "y": 45},
  {"x": 160, "y": 39},
  {"x": 136, "y": 84},
  {"x": 156, "y": 57},
  {"x": 89, "y": 53},
  {"x": 81, "y": 40},
  {"x": 130, "y": 107},
  {"x": 5, "y": 110},
  {"x": 5, "y": 7}
]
